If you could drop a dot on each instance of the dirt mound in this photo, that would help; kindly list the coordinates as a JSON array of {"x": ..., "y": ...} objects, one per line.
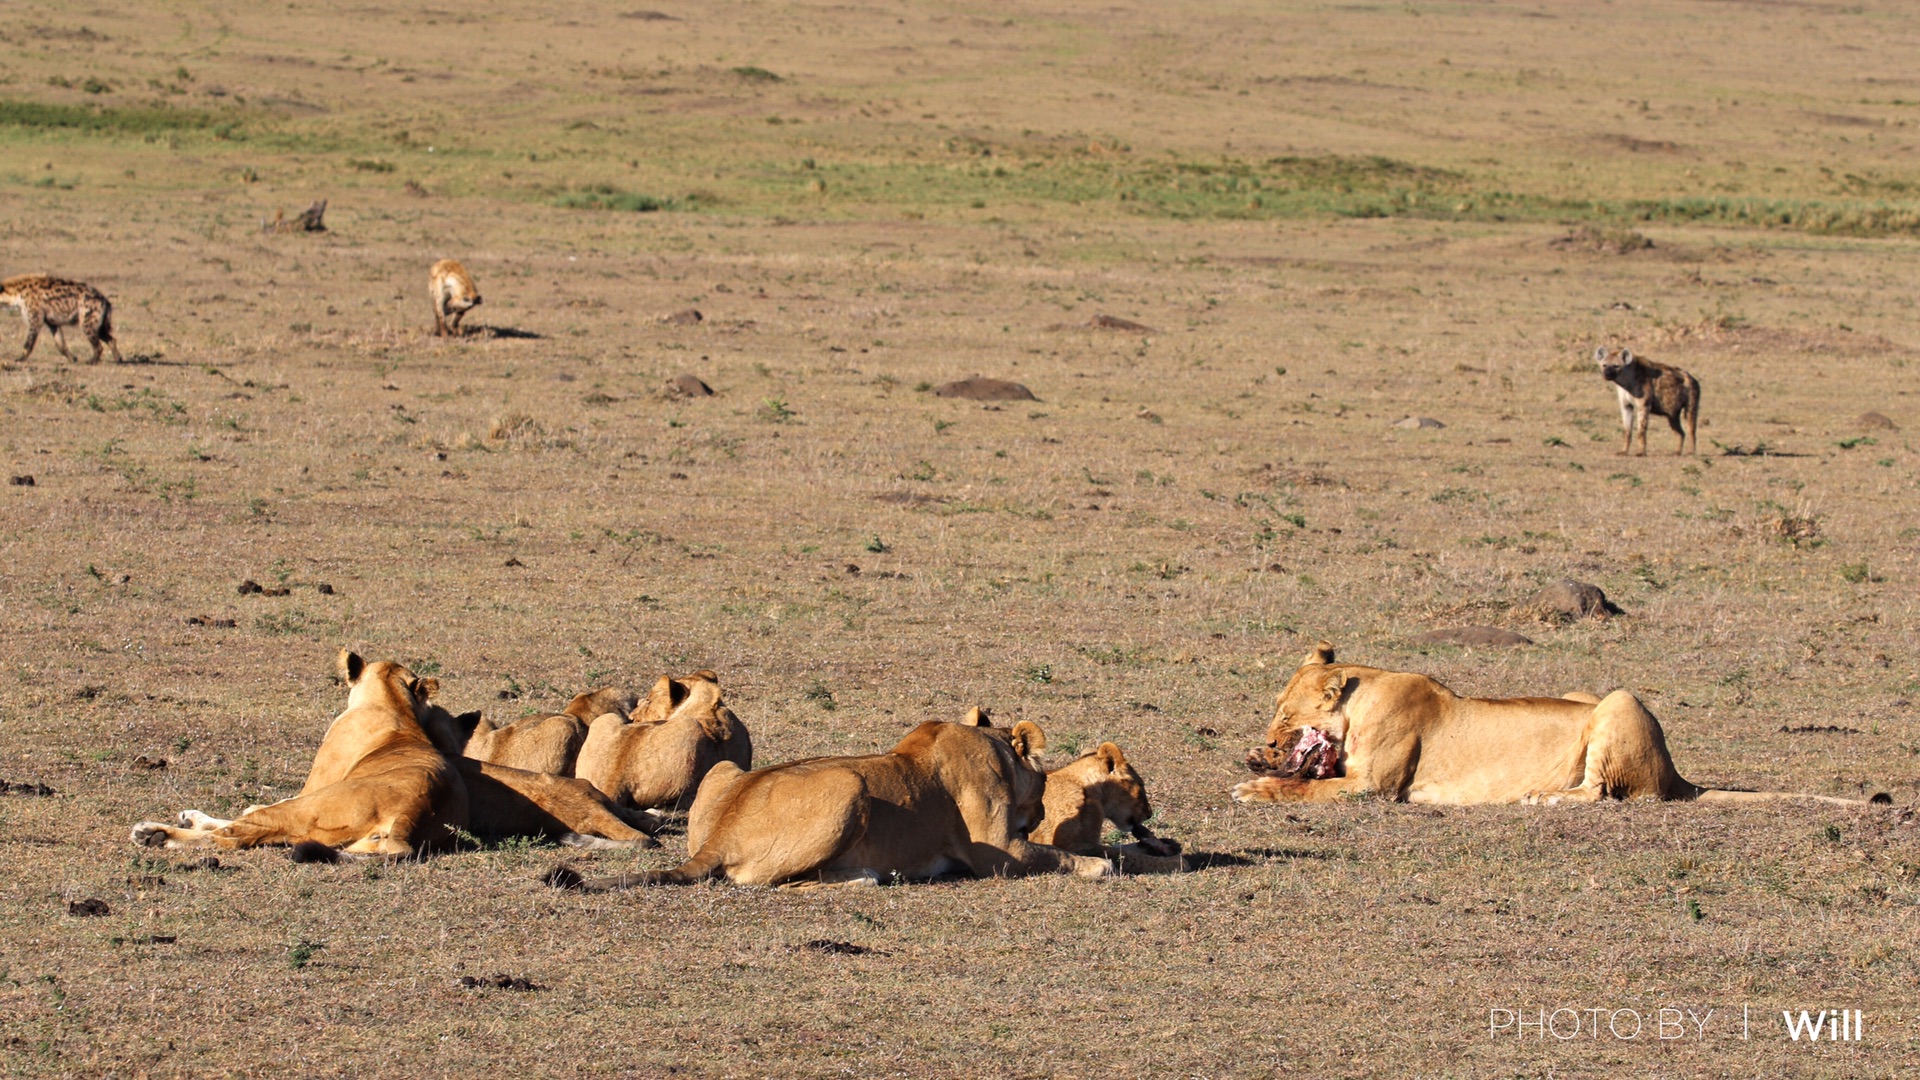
[
  {"x": 1470, "y": 636},
  {"x": 1874, "y": 421},
  {"x": 1606, "y": 241},
  {"x": 689, "y": 385},
  {"x": 979, "y": 388},
  {"x": 1412, "y": 423},
  {"x": 1568, "y": 600}
]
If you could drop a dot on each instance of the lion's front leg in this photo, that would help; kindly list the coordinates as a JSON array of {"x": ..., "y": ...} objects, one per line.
[
  {"x": 1020, "y": 858},
  {"x": 1283, "y": 789}
]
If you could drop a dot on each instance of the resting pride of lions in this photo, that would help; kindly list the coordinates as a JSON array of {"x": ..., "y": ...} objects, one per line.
[
  {"x": 1343, "y": 729},
  {"x": 396, "y": 775},
  {"x": 950, "y": 798},
  {"x": 388, "y": 779}
]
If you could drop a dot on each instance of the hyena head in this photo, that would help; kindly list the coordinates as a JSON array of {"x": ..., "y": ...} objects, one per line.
[{"x": 1611, "y": 369}]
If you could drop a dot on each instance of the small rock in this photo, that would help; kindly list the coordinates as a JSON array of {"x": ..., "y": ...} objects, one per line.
[
  {"x": 249, "y": 587},
  {"x": 1413, "y": 422},
  {"x": 683, "y": 317},
  {"x": 1488, "y": 636},
  {"x": 1568, "y": 600},
  {"x": 979, "y": 388},
  {"x": 88, "y": 907},
  {"x": 1871, "y": 420},
  {"x": 21, "y": 481},
  {"x": 513, "y": 562},
  {"x": 323, "y": 589},
  {"x": 690, "y": 385},
  {"x": 145, "y": 762}
]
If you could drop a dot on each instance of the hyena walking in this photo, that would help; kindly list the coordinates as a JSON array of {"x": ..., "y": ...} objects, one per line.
[
  {"x": 55, "y": 303},
  {"x": 1647, "y": 387},
  {"x": 454, "y": 293}
]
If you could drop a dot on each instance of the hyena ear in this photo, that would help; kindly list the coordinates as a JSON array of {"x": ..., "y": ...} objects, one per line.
[
  {"x": 1110, "y": 756},
  {"x": 1028, "y": 739},
  {"x": 1331, "y": 688},
  {"x": 977, "y": 717},
  {"x": 1600, "y": 355},
  {"x": 1322, "y": 654},
  {"x": 351, "y": 666},
  {"x": 1626, "y": 356}
]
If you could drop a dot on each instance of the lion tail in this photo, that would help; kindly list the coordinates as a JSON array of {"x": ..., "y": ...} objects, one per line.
[
  {"x": 1727, "y": 797},
  {"x": 697, "y": 869}
]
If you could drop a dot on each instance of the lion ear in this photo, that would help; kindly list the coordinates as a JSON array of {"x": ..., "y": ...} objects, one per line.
[
  {"x": 659, "y": 703},
  {"x": 351, "y": 666},
  {"x": 1322, "y": 654},
  {"x": 1331, "y": 688},
  {"x": 977, "y": 717},
  {"x": 1110, "y": 756},
  {"x": 425, "y": 688},
  {"x": 1028, "y": 739}
]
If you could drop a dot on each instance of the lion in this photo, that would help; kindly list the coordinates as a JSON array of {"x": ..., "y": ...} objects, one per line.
[
  {"x": 1343, "y": 729},
  {"x": 388, "y": 781},
  {"x": 1098, "y": 787},
  {"x": 378, "y": 786},
  {"x": 546, "y": 744},
  {"x": 657, "y": 757},
  {"x": 950, "y": 798}
]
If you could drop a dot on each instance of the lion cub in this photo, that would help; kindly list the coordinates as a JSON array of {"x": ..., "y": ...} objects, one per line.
[
  {"x": 1099, "y": 787},
  {"x": 55, "y": 303},
  {"x": 454, "y": 294},
  {"x": 1646, "y": 387}
]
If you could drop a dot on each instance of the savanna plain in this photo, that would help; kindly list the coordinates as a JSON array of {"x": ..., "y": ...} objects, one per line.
[{"x": 1227, "y": 246}]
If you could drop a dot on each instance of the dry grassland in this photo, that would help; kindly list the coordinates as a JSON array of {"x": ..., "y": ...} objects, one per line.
[{"x": 1331, "y": 216}]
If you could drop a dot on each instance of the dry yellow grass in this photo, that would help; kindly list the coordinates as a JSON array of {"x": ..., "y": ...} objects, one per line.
[{"x": 1141, "y": 555}]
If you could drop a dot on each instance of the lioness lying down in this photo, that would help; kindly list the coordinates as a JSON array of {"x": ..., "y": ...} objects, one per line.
[
  {"x": 950, "y": 798},
  {"x": 384, "y": 783},
  {"x": 655, "y": 757},
  {"x": 1342, "y": 729},
  {"x": 1096, "y": 788}
]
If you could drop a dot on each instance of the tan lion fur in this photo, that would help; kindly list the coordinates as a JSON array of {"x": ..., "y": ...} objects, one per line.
[
  {"x": 949, "y": 798},
  {"x": 1406, "y": 737},
  {"x": 378, "y": 785},
  {"x": 1085, "y": 794},
  {"x": 388, "y": 780},
  {"x": 658, "y": 756},
  {"x": 546, "y": 744}
]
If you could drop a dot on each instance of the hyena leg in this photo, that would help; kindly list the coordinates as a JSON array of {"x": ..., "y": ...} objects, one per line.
[
  {"x": 60, "y": 340},
  {"x": 1640, "y": 418},
  {"x": 33, "y": 335}
]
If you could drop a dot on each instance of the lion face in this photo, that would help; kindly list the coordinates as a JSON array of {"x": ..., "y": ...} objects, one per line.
[
  {"x": 1305, "y": 739},
  {"x": 1122, "y": 794}
]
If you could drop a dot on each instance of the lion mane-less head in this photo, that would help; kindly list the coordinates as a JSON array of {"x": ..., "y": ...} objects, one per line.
[
  {"x": 385, "y": 681},
  {"x": 1305, "y": 739},
  {"x": 1029, "y": 779}
]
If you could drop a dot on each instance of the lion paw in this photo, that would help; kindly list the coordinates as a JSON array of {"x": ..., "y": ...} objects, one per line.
[
  {"x": 1250, "y": 791},
  {"x": 150, "y": 834}
]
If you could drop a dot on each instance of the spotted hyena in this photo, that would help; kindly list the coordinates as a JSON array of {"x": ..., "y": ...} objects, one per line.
[{"x": 55, "y": 303}]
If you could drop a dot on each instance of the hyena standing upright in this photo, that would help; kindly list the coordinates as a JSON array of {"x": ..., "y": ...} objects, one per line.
[
  {"x": 55, "y": 303},
  {"x": 453, "y": 294},
  {"x": 1646, "y": 387}
]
